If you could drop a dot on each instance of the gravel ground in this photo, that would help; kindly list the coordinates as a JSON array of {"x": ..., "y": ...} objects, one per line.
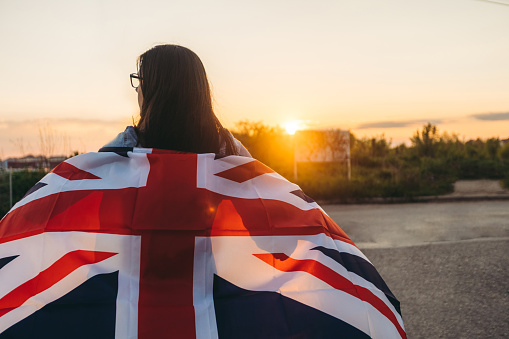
[
  {"x": 454, "y": 290},
  {"x": 447, "y": 263}
]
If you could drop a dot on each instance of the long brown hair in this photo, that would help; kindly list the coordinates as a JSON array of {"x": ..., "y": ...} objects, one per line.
[{"x": 176, "y": 112}]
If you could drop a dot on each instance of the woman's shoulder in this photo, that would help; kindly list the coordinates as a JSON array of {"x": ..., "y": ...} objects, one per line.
[
  {"x": 239, "y": 148},
  {"x": 127, "y": 138}
]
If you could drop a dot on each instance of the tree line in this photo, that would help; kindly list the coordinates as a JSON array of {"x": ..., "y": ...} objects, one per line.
[{"x": 430, "y": 165}]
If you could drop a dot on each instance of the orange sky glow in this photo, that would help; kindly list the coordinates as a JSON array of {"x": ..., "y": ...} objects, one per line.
[{"x": 373, "y": 66}]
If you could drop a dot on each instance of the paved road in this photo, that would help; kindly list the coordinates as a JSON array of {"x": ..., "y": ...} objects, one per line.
[
  {"x": 448, "y": 263},
  {"x": 396, "y": 225}
]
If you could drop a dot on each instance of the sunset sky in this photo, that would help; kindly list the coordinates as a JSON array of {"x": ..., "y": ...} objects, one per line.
[{"x": 371, "y": 66}]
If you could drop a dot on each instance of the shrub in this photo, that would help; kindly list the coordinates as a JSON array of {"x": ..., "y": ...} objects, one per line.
[{"x": 22, "y": 181}]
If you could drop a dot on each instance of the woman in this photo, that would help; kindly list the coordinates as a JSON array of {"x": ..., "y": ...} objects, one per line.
[
  {"x": 176, "y": 106},
  {"x": 182, "y": 245}
]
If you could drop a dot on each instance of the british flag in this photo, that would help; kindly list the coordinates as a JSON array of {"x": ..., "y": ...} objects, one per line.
[{"x": 145, "y": 243}]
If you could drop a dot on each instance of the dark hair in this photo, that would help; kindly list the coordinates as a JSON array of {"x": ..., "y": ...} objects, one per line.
[{"x": 176, "y": 113}]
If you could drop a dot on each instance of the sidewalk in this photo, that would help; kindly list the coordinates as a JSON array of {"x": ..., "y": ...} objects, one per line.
[
  {"x": 400, "y": 225},
  {"x": 464, "y": 190},
  {"x": 477, "y": 190}
]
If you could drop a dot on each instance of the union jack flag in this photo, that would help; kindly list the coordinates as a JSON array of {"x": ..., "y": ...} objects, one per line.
[{"x": 146, "y": 243}]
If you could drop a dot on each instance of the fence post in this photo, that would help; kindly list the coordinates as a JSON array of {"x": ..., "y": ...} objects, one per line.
[
  {"x": 349, "y": 169},
  {"x": 10, "y": 188},
  {"x": 294, "y": 141}
]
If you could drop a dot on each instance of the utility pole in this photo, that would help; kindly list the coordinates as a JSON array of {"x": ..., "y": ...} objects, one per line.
[
  {"x": 10, "y": 188},
  {"x": 295, "y": 170},
  {"x": 295, "y": 153},
  {"x": 349, "y": 169}
]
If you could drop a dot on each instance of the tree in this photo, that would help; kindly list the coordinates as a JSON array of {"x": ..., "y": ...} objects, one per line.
[
  {"x": 20, "y": 145},
  {"x": 47, "y": 140},
  {"x": 504, "y": 151},
  {"x": 491, "y": 147},
  {"x": 425, "y": 142},
  {"x": 270, "y": 145}
]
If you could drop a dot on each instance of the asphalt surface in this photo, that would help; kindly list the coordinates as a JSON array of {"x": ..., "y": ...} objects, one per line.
[{"x": 447, "y": 263}]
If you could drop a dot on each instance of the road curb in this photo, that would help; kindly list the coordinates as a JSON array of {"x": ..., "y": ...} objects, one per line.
[{"x": 405, "y": 200}]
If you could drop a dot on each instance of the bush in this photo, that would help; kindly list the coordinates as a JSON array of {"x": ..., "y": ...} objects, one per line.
[
  {"x": 22, "y": 181},
  {"x": 482, "y": 169}
]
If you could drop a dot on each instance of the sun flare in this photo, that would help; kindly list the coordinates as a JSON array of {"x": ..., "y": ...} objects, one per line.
[{"x": 292, "y": 126}]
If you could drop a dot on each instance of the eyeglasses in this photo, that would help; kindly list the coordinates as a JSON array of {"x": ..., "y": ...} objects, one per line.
[{"x": 135, "y": 80}]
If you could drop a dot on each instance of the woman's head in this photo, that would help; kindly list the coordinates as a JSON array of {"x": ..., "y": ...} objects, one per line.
[{"x": 175, "y": 102}]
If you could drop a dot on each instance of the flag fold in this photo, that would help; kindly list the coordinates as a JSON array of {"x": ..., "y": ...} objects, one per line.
[{"x": 147, "y": 243}]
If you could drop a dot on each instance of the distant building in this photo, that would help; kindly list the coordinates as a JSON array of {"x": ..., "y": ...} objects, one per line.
[
  {"x": 31, "y": 162},
  {"x": 331, "y": 145}
]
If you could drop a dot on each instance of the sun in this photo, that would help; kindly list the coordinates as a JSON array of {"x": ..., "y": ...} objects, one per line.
[{"x": 292, "y": 126}]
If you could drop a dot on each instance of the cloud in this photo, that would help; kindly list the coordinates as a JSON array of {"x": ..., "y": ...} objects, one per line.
[
  {"x": 491, "y": 116},
  {"x": 58, "y": 122},
  {"x": 501, "y": 2},
  {"x": 395, "y": 124}
]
